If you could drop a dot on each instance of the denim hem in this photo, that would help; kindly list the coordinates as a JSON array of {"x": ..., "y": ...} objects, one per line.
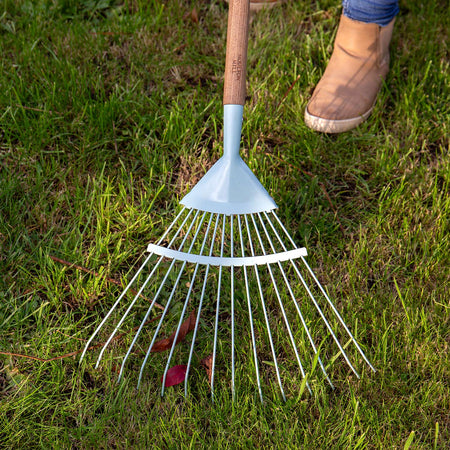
[{"x": 380, "y": 12}]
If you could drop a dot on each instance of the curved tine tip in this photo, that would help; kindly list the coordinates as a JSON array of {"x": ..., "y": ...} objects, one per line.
[
  {"x": 122, "y": 295},
  {"x": 130, "y": 307},
  {"x": 337, "y": 314}
]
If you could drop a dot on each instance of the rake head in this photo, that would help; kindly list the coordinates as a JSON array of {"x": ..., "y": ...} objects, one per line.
[{"x": 244, "y": 289}]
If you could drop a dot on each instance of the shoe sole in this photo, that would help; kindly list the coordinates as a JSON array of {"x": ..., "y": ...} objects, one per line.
[
  {"x": 256, "y": 6},
  {"x": 332, "y": 126}
]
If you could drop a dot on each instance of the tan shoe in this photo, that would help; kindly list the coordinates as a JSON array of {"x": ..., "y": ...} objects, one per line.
[
  {"x": 257, "y": 5},
  {"x": 346, "y": 93}
]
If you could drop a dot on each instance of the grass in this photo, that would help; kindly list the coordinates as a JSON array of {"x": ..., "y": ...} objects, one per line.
[{"x": 110, "y": 112}]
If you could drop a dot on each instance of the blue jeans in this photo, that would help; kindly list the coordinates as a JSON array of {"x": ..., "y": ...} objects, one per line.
[{"x": 380, "y": 12}]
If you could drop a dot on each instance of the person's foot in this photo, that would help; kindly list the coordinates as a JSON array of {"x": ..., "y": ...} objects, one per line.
[{"x": 346, "y": 93}]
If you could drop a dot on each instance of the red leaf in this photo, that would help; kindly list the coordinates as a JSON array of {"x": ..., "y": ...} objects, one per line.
[
  {"x": 165, "y": 344},
  {"x": 175, "y": 375}
]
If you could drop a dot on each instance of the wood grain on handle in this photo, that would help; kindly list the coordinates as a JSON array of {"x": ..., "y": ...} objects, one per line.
[{"x": 236, "y": 55}]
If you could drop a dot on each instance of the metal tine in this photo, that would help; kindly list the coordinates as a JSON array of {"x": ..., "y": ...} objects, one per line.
[
  {"x": 143, "y": 322},
  {"x": 328, "y": 299},
  {"x": 232, "y": 308},
  {"x": 173, "y": 291},
  {"x": 152, "y": 303},
  {"x": 255, "y": 355},
  {"x": 122, "y": 319},
  {"x": 201, "y": 302},
  {"x": 337, "y": 314},
  {"x": 216, "y": 326},
  {"x": 265, "y": 312},
  {"x": 136, "y": 275},
  {"x": 319, "y": 310},
  {"x": 185, "y": 306},
  {"x": 286, "y": 321},
  {"x": 173, "y": 223},
  {"x": 297, "y": 307}
]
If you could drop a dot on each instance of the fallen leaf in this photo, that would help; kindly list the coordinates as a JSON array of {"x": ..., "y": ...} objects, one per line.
[
  {"x": 207, "y": 364},
  {"x": 193, "y": 15},
  {"x": 165, "y": 344},
  {"x": 175, "y": 375}
]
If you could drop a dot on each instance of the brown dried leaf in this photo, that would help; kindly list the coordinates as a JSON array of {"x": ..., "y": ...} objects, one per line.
[
  {"x": 193, "y": 15},
  {"x": 207, "y": 364},
  {"x": 165, "y": 344}
]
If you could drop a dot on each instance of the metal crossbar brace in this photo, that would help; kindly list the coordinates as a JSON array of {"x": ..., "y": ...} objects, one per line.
[{"x": 227, "y": 261}]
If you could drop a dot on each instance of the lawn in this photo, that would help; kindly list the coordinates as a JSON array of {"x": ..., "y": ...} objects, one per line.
[{"x": 110, "y": 112}]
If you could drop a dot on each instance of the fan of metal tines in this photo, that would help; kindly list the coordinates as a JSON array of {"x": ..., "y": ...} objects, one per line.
[{"x": 253, "y": 299}]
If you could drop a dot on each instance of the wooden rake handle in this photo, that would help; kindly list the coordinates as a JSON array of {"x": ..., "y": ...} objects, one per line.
[{"x": 236, "y": 54}]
